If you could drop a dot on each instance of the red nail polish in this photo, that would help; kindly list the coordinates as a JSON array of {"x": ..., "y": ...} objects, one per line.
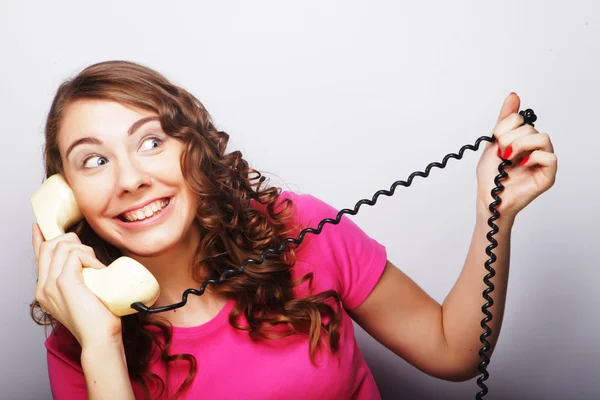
[
  {"x": 499, "y": 152},
  {"x": 524, "y": 160},
  {"x": 507, "y": 153}
]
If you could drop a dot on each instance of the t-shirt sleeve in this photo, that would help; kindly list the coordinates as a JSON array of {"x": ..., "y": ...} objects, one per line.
[
  {"x": 354, "y": 260},
  {"x": 67, "y": 380},
  {"x": 64, "y": 368}
]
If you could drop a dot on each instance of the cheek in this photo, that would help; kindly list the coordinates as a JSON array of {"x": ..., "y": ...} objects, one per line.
[
  {"x": 185, "y": 192},
  {"x": 192, "y": 201},
  {"x": 91, "y": 202},
  {"x": 164, "y": 168},
  {"x": 187, "y": 195},
  {"x": 167, "y": 169}
]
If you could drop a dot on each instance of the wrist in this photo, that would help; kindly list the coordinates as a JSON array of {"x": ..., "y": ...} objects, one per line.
[
  {"x": 104, "y": 334},
  {"x": 106, "y": 372},
  {"x": 94, "y": 353},
  {"x": 112, "y": 345},
  {"x": 483, "y": 213}
]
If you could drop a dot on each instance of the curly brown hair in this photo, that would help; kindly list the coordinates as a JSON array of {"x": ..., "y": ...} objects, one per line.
[{"x": 232, "y": 227}]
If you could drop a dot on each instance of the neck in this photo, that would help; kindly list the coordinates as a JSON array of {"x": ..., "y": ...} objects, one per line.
[{"x": 173, "y": 269}]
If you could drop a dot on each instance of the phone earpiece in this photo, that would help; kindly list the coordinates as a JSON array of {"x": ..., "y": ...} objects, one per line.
[
  {"x": 119, "y": 285},
  {"x": 54, "y": 207}
]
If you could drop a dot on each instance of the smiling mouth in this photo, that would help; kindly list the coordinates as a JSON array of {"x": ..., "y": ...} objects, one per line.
[{"x": 146, "y": 212}]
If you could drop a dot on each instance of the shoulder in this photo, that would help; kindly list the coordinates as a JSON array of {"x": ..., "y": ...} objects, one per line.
[
  {"x": 326, "y": 227},
  {"x": 338, "y": 252},
  {"x": 308, "y": 210}
]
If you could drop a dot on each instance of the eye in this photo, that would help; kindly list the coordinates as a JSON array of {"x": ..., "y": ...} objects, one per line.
[
  {"x": 150, "y": 144},
  {"x": 94, "y": 162}
]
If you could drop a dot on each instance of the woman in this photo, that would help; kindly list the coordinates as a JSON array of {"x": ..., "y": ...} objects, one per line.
[{"x": 149, "y": 171}]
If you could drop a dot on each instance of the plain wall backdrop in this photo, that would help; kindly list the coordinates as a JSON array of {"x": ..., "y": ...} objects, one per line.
[{"x": 340, "y": 99}]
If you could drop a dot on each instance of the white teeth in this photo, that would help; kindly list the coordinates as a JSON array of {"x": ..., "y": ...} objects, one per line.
[{"x": 146, "y": 212}]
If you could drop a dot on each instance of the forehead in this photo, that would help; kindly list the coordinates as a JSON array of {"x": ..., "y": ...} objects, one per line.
[{"x": 102, "y": 119}]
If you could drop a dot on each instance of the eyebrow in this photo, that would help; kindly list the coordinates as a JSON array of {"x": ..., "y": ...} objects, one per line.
[{"x": 91, "y": 140}]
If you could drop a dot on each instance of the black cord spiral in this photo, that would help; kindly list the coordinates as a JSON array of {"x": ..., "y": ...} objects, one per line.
[
  {"x": 234, "y": 272},
  {"x": 529, "y": 117}
]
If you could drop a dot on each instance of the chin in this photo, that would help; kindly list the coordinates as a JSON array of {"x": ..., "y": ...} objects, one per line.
[
  {"x": 142, "y": 254},
  {"x": 147, "y": 250},
  {"x": 152, "y": 244}
]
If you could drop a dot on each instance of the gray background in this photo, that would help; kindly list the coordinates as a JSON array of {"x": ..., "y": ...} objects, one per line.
[{"x": 340, "y": 99}]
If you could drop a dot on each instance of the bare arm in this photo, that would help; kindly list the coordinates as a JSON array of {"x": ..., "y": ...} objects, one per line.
[
  {"x": 105, "y": 372},
  {"x": 461, "y": 311},
  {"x": 443, "y": 340},
  {"x": 440, "y": 340},
  {"x": 62, "y": 292}
]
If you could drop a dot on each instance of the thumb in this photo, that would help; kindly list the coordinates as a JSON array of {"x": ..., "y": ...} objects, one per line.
[
  {"x": 511, "y": 105},
  {"x": 37, "y": 237}
]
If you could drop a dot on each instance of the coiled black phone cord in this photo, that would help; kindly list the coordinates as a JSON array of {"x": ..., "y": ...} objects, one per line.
[{"x": 529, "y": 117}]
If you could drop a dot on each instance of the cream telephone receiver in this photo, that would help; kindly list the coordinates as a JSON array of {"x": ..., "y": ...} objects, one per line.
[{"x": 124, "y": 282}]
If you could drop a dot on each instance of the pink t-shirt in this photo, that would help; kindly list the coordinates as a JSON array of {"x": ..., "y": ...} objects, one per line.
[{"x": 232, "y": 366}]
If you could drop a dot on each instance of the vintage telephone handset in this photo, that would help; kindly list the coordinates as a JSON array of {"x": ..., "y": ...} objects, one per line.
[
  {"x": 126, "y": 287},
  {"x": 118, "y": 286}
]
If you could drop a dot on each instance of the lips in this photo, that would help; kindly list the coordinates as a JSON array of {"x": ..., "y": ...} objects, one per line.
[{"x": 148, "y": 210}]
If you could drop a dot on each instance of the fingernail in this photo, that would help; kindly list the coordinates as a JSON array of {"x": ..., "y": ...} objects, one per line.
[
  {"x": 507, "y": 153},
  {"x": 524, "y": 160},
  {"x": 499, "y": 152}
]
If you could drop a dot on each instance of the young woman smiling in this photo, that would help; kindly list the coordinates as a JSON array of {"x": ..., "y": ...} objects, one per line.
[{"x": 152, "y": 178}]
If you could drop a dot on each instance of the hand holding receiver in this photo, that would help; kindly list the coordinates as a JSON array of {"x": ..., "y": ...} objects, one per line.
[{"x": 123, "y": 282}]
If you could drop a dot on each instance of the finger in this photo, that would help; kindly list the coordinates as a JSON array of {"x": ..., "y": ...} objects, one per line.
[
  {"x": 70, "y": 237},
  {"x": 90, "y": 261},
  {"x": 59, "y": 258},
  {"x": 46, "y": 254},
  {"x": 73, "y": 269},
  {"x": 64, "y": 250},
  {"x": 506, "y": 141},
  {"x": 526, "y": 144},
  {"x": 547, "y": 161},
  {"x": 72, "y": 275},
  {"x": 85, "y": 249},
  {"x": 37, "y": 238},
  {"x": 510, "y": 106},
  {"x": 510, "y": 123}
]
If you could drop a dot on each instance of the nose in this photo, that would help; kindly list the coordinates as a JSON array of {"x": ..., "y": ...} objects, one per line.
[{"x": 130, "y": 178}]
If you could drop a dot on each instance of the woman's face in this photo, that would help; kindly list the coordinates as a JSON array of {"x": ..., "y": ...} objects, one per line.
[{"x": 126, "y": 175}]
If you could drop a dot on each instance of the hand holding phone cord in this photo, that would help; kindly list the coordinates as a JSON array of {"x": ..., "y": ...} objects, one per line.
[{"x": 529, "y": 117}]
